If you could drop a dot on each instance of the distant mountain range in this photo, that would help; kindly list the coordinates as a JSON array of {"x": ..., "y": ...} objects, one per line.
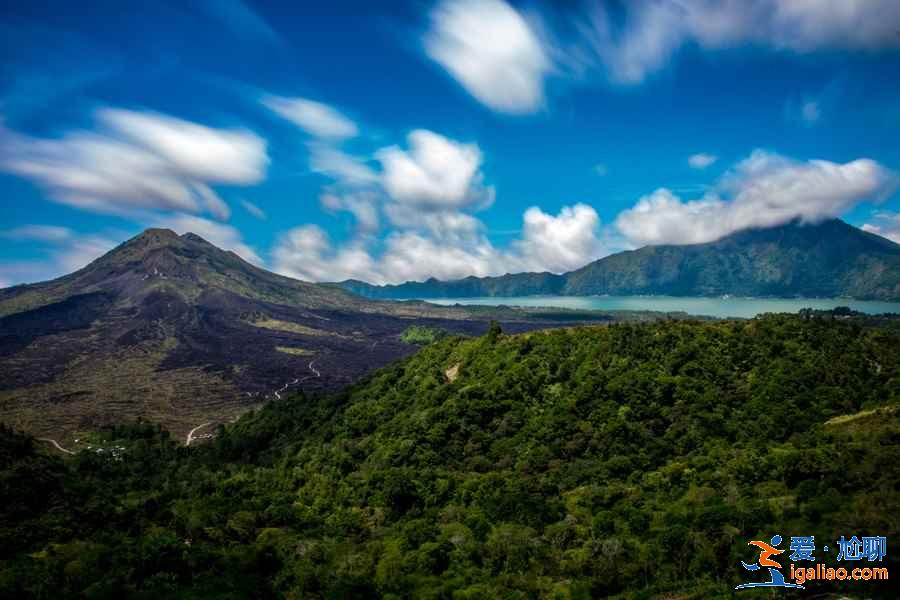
[
  {"x": 176, "y": 330},
  {"x": 829, "y": 259}
]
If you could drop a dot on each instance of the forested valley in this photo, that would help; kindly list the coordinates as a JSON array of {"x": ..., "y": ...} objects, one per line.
[{"x": 625, "y": 460}]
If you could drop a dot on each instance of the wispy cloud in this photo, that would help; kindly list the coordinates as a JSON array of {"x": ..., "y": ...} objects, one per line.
[
  {"x": 810, "y": 112},
  {"x": 253, "y": 210},
  {"x": 66, "y": 251},
  {"x": 241, "y": 20},
  {"x": 651, "y": 33},
  {"x": 702, "y": 160},
  {"x": 138, "y": 161},
  {"x": 317, "y": 119},
  {"x": 39, "y": 233},
  {"x": 363, "y": 205},
  {"x": 337, "y": 164}
]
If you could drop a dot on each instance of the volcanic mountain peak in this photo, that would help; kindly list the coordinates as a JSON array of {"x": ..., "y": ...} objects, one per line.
[
  {"x": 186, "y": 265},
  {"x": 158, "y": 236},
  {"x": 143, "y": 248}
]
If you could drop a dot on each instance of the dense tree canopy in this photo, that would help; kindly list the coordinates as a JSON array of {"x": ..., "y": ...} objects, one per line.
[{"x": 627, "y": 460}]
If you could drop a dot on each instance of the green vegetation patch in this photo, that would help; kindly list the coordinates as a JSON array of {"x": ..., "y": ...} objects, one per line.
[
  {"x": 276, "y": 325},
  {"x": 294, "y": 351},
  {"x": 422, "y": 335}
]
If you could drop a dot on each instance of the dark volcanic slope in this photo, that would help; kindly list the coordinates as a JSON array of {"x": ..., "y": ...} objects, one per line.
[
  {"x": 176, "y": 330},
  {"x": 830, "y": 259}
]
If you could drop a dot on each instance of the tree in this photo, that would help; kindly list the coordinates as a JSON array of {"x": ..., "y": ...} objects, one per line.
[{"x": 493, "y": 332}]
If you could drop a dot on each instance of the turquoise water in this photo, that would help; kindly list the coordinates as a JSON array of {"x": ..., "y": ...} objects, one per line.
[{"x": 713, "y": 307}]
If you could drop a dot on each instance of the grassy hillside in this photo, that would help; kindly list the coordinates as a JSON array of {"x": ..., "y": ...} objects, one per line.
[{"x": 632, "y": 460}]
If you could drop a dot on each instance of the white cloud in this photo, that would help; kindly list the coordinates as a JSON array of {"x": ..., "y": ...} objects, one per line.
[
  {"x": 253, "y": 210},
  {"x": 410, "y": 255},
  {"x": 652, "y": 32},
  {"x": 306, "y": 253},
  {"x": 451, "y": 226},
  {"x": 423, "y": 190},
  {"x": 885, "y": 224},
  {"x": 219, "y": 234},
  {"x": 201, "y": 153},
  {"x": 362, "y": 205},
  {"x": 138, "y": 161},
  {"x": 764, "y": 190},
  {"x": 558, "y": 243},
  {"x": 427, "y": 193},
  {"x": 317, "y": 119},
  {"x": 810, "y": 112},
  {"x": 435, "y": 172},
  {"x": 662, "y": 218},
  {"x": 492, "y": 51},
  {"x": 702, "y": 160},
  {"x": 66, "y": 251},
  {"x": 447, "y": 245},
  {"x": 503, "y": 58},
  {"x": 825, "y": 24}
]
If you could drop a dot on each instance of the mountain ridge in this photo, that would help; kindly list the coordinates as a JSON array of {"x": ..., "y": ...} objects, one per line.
[{"x": 828, "y": 259}]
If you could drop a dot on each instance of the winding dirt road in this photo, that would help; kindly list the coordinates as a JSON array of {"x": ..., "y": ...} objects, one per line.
[
  {"x": 284, "y": 387},
  {"x": 190, "y": 435},
  {"x": 56, "y": 445},
  {"x": 315, "y": 371}
]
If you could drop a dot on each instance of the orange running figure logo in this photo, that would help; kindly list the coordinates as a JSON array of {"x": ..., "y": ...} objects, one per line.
[{"x": 765, "y": 552}]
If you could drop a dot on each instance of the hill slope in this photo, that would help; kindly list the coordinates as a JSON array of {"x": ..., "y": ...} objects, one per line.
[
  {"x": 174, "y": 329},
  {"x": 577, "y": 463},
  {"x": 831, "y": 259}
]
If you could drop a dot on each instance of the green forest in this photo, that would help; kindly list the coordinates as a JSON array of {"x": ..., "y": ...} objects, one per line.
[{"x": 623, "y": 460}]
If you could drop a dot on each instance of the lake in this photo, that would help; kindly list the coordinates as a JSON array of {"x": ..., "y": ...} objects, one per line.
[{"x": 713, "y": 307}]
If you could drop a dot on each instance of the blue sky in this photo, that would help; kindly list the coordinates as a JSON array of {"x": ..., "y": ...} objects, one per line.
[{"x": 403, "y": 140}]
